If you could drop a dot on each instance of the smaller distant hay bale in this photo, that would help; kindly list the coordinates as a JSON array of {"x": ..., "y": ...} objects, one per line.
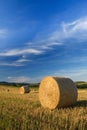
[{"x": 24, "y": 89}]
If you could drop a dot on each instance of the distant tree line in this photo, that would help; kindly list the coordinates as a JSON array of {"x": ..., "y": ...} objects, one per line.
[
  {"x": 81, "y": 84},
  {"x": 19, "y": 84}
]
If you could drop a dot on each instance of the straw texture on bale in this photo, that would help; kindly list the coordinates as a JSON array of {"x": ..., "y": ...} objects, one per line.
[
  {"x": 57, "y": 92},
  {"x": 24, "y": 89}
]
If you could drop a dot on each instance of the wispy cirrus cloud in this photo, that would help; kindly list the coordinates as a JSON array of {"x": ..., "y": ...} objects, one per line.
[
  {"x": 22, "y": 60},
  {"x": 18, "y": 52},
  {"x": 44, "y": 44},
  {"x": 11, "y": 64},
  {"x": 75, "y": 28},
  {"x": 48, "y": 45}
]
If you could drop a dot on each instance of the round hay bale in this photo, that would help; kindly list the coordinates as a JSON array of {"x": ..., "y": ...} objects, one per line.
[
  {"x": 57, "y": 92},
  {"x": 24, "y": 89}
]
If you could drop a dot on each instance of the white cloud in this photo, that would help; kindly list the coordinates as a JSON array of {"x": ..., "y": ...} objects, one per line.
[
  {"x": 11, "y": 64},
  {"x": 22, "y": 60},
  {"x": 17, "y": 52},
  {"x": 49, "y": 45},
  {"x": 75, "y": 28},
  {"x": 37, "y": 49},
  {"x": 55, "y": 43},
  {"x": 45, "y": 47},
  {"x": 21, "y": 79},
  {"x": 76, "y": 74}
]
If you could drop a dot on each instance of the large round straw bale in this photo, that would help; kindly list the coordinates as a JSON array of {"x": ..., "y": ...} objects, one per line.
[
  {"x": 24, "y": 89},
  {"x": 57, "y": 92}
]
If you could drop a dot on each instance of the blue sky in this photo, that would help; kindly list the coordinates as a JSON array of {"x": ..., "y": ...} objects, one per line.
[{"x": 41, "y": 38}]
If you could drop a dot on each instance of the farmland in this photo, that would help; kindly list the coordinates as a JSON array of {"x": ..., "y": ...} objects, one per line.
[{"x": 24, "y": 112}]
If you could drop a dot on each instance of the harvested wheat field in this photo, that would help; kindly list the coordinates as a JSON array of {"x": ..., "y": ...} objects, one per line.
[{"x": 24, "y": 112}]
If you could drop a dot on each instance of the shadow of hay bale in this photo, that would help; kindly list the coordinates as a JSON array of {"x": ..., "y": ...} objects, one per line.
[{"x": 81, "y": 103}]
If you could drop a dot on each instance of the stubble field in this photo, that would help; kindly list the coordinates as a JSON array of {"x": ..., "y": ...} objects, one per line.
[{"x": 24, "y": 112}]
